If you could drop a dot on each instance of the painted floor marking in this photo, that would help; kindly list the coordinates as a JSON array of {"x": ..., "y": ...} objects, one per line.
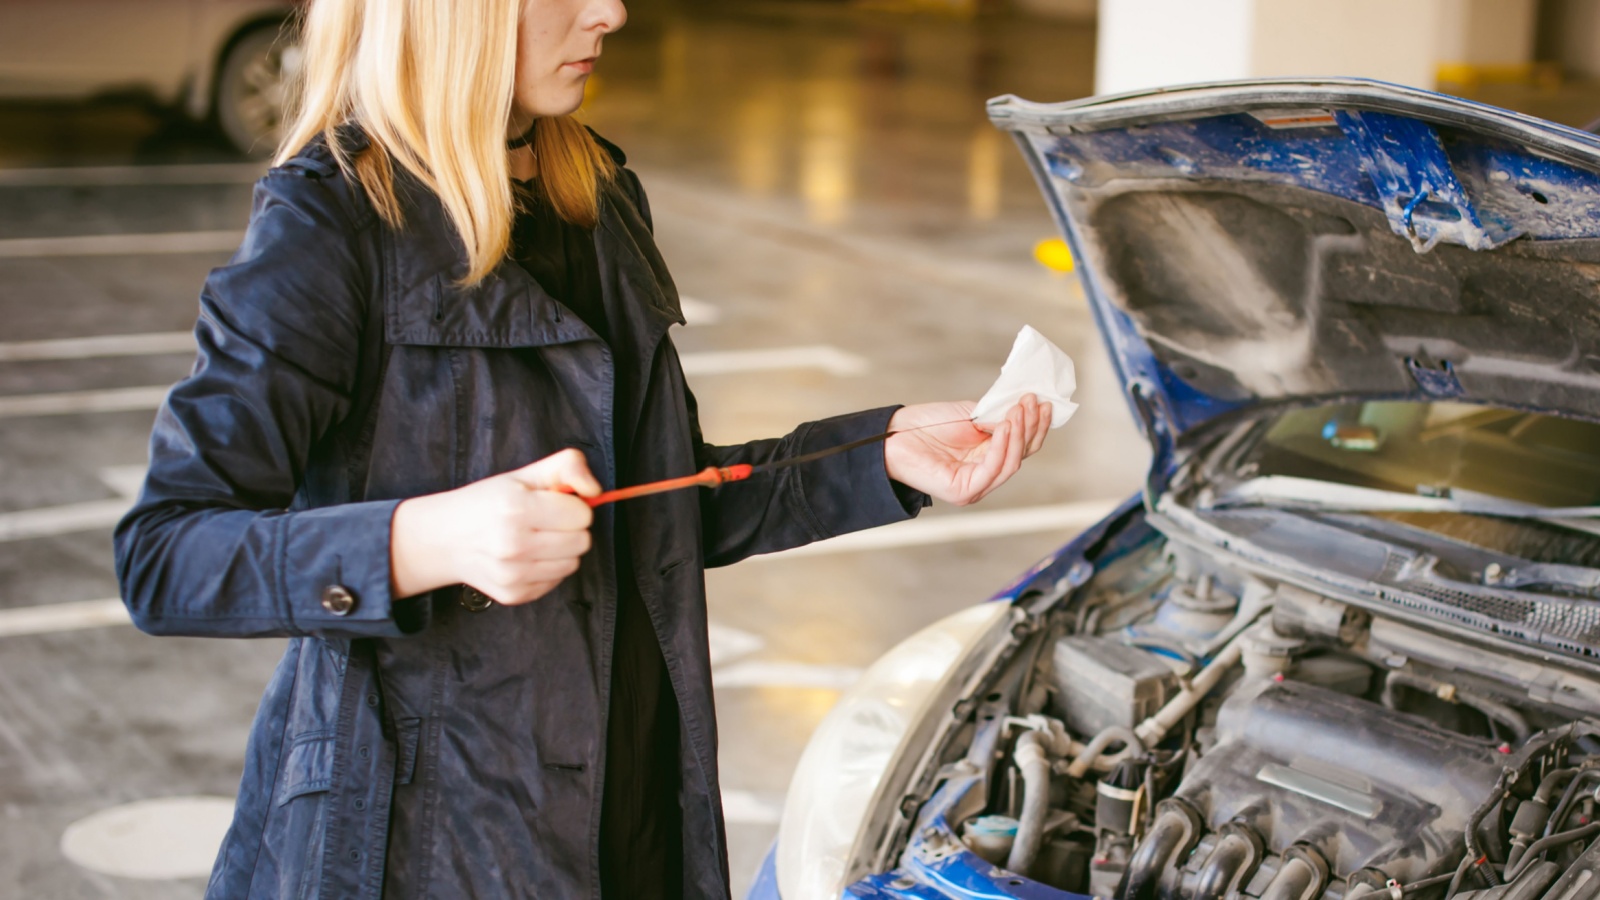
[
  {"x": 960, "y": 526},
  {"x": 125, "y": 480},
  {"x": 751, "y": 808},
  {"x": 133, "y": 176},
  {"x": 819, "y": 356},
  {"x": 24, "y": 524},
  {"x": 778, "y": 673},
  {"x": 55, "y": 617},
  {"x": 121, "y": 244},
  {"x": 149, "y": 344},
  {"x": 159, "y": 839},
  {"x": 71, "y": 402},
  {"x": 731, "y": 643},
  {"x": 698, "y": 312},
  {"x": 828, "y": 359}
]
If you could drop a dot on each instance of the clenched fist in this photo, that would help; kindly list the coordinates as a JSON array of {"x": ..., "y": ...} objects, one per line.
[{"x": 513, "y": 536}]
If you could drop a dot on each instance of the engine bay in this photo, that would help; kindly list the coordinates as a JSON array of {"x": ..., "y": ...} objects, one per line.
[{"x": 1182, "y": 730}]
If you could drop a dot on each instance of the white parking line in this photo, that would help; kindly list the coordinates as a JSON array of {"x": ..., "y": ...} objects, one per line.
[
  {"x": 698, "y": 312},
  {"x": 53, "y": 617},
  {"x": 777, "y": 673},
  {"x": 821, "y": 356},
  {"x": 69, "y": 402},
  {"x": 121, "y": 244},
  {"x": 962, "y": 526},
  {"x": 52, "y": 520},
  {"x": 133, "y": 176},
  {"x": 148, "y": 344},
  {"x": 731, "y": 643},
  {"x": 827, "y": 359},
  {"x": 750, "y": 808},
  {"x": 24, "y": 524}
]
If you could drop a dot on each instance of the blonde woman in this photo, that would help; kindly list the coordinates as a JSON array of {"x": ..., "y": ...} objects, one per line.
[{"x": 447, "y": 315}]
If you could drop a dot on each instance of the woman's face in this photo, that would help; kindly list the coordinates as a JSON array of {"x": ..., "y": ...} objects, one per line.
[{"x": 558, "y": 42}]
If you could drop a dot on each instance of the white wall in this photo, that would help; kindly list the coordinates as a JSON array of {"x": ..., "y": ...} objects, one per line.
[
  {"x": 1384, "y": 39},
  {"x": 1488, "y": 32},
  {"x": 1148, "y": 43}
]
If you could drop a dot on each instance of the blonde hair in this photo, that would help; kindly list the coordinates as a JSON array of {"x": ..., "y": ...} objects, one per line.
[{"x": 431, "y": 84}]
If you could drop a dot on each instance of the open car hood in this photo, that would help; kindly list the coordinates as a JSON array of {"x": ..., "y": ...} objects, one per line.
[{"x": 1253, "y": 242}]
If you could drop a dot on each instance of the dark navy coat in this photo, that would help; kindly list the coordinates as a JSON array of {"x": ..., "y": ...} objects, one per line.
[{"x": 441, "y": 746}]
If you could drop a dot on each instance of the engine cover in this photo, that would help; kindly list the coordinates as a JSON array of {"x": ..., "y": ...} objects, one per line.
[{"x": 1363, "y": 785}]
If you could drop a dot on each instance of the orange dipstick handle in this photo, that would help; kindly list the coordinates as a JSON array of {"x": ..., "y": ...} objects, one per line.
[{"x": 710, "y": 477}]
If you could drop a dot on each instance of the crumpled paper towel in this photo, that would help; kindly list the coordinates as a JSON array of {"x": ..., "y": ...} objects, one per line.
[{"x": 1036, "y": 367}]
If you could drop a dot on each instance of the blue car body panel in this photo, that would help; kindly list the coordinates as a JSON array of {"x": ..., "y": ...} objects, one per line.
[{"x": 1441, "y": 170}]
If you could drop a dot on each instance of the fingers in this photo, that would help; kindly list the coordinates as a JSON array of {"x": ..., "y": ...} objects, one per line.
[
  {"x": 1041, "y": 428},
  {"x": 546, "y": 510},
  {"x": 989, "y": 468},
  {"x": 564, "y": 470},
  {"x": 1013, "y": 452}
]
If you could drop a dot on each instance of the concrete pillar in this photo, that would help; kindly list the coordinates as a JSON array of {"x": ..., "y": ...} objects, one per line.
[
  {"x": 1573, "y": 35},
  {"x": 1148, "y": 43}
]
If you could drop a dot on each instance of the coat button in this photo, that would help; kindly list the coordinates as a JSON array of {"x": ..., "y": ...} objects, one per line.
[
  {"x": 337, "y": 599},
  {"x": 474, "y": 600}
]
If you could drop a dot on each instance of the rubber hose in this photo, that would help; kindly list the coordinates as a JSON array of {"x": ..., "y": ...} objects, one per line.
[
  {"x": 1153, "y": 729},
  {"x": 1108, "y": 736},
  {"x": 1568, "y": 797},
  {"x": 1301, "y": 877},
  {"x": 1230, "y": 864},
  {"x": 1555, "y": 840},
  {"x": 1035, "y": 767},
  {"x": 1172, "y": 834},
  {"x": 1491, "y": 709}
]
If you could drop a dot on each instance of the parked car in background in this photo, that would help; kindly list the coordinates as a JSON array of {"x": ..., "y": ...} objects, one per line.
[
  {"x": 223, "y": 61},
  {"x": 1347, "y": 642}
]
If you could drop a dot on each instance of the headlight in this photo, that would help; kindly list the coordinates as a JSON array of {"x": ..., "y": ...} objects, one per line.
[{"x": 840, "y": 778}]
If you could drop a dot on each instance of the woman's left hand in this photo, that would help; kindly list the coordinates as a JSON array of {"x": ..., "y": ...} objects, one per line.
[{"x": 963, "y": 462}]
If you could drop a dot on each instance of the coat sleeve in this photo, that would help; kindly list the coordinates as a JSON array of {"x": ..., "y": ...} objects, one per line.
[
  {"x": 794, "y": 506},
  {"x": 211, "y": 547},
  {"x": 813, "y": 501}
]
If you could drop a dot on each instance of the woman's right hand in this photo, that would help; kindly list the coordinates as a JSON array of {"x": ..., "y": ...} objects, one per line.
[{"x": 513, "y": 536}]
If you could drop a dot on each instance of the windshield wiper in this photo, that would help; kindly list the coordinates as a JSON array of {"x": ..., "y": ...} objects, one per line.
[{"x": 1287, "y": 491}]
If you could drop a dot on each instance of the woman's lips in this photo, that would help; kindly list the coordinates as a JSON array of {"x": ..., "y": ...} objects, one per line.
[{"x": 584, "y": 66}]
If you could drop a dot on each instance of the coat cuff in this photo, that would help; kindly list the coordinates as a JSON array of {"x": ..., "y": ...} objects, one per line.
[
  {"x": 333, "y": 575},
  {"x": 852, "y": 491}
]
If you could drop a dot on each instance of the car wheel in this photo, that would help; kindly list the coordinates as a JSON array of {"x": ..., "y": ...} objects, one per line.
[{"x": 252, "y": 90}]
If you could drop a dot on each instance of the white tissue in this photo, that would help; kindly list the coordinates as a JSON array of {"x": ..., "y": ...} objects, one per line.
[{"x": 1036, "y": 367}]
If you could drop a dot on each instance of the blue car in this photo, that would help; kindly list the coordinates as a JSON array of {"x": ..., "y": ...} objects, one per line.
[{"x": 1346, "y": 643}]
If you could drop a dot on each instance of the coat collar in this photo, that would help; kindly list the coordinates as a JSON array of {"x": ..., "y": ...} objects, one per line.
[{"x": 425, "y": 304}]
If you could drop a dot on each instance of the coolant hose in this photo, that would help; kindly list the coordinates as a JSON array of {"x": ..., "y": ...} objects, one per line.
[
  {"x": 1034, "y": 764},
  {"x": 1173, "y": 834},
  {"x": 1491, "y": 709},
  {"x": 1090, "y": 754},
  {"x": 1230, "y": 864},
  {"x": 1303, "y": 876},
  {"x": 1152, "y": 730}
]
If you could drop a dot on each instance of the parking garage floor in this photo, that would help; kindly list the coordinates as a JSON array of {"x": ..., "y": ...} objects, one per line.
[{"x": 847, "y": 231}]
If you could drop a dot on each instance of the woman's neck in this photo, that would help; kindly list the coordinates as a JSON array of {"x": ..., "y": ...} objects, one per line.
[{"x": 523, "y": 165}]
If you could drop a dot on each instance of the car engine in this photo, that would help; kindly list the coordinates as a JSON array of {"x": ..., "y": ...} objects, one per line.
[{"x": 1183, "y": 731}]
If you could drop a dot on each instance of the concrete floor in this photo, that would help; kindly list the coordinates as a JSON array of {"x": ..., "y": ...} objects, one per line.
[{"x": 817, "y": 180}]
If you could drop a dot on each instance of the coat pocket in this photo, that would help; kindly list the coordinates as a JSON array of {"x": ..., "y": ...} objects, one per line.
[
  {"x": 408, "y": 732},
  {"x": 308, "y": 768}
]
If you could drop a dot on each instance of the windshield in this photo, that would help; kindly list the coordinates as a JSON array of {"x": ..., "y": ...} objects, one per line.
[{"x": 1435, "y": 450}]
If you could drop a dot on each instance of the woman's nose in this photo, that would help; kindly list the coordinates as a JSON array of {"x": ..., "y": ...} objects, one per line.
[{"x": 607, "y": 15}]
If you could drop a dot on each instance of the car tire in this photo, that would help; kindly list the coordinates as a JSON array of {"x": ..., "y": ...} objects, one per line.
[{"x": 252, "y": 90}]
